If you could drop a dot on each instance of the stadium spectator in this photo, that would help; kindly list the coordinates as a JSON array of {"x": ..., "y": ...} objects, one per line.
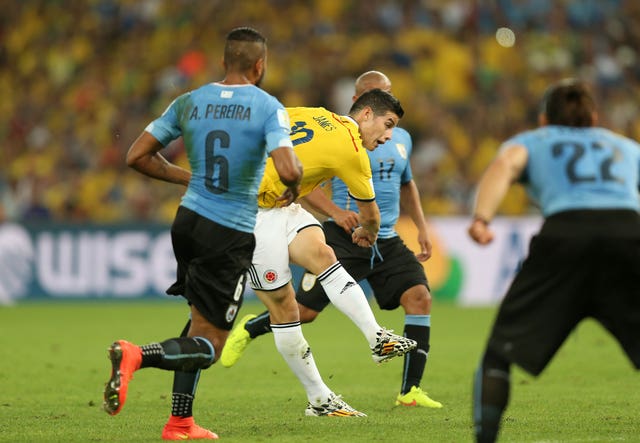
[
  {"x": 212, "y": 234},
  {"x": 583, "y": 262},
  {"x": 396, "y": 276},
  {"x": 75, "y": 70}
]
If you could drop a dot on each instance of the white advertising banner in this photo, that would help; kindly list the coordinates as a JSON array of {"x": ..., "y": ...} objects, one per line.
[
  {"x": 463, "y": 271},
  {"x": 56, "y": 261}
]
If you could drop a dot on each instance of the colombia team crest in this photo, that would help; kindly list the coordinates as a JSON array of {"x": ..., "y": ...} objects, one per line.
[{"x": 270, "y": 276}]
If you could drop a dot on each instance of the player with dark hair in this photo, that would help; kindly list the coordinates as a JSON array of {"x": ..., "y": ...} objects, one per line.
[
  {"x": 584, "y": 262},
  {"x": 228, "y": 128},
  {"x": 393, "y": 271},
  {"x": 328, "y": 145}
]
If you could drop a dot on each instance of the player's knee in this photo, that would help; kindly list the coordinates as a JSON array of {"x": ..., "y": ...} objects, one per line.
[
  {"x": 211, "y": 340},
  {"x": 325, "y": 254},
  {"x": 211, "y": 352},
  {"x": 416, "y": 300},
  {"x": 319, "y": 257}
]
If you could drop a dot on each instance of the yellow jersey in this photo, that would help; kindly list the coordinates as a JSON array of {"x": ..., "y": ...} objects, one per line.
[{"x": 328, "y": 145}]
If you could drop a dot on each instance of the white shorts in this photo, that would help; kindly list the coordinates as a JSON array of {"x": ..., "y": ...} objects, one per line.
[{"x": 275, "y": 229}]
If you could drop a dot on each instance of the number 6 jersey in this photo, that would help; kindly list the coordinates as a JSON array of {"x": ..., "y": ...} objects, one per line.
[
  {"x": 579, "y": 168},
  {"x": 227, "y": 130}
]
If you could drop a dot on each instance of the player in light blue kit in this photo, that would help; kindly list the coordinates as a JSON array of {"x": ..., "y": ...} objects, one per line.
[
  {"x": 584, "y": 262},
  {"x": 228, "y": 128},
  {"x": 393, "y": 271}
]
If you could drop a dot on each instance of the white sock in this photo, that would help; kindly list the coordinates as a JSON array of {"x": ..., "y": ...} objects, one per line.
[
  {"x": 296, "y": 352},
  {"x": 348, "y": 297}
]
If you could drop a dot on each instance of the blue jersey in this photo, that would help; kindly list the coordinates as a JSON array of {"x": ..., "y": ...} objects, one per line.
[
  {"x": 227, "y": 132},
  {"x": 580, "y": 168},
  {"x": 390, "y": 168}
]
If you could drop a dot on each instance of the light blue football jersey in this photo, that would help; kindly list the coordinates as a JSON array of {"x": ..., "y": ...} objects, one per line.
[
  {"x": 227, "y": 133},
  {"x": 580, "y": 168},
  {"x": 390, "y": 168}
]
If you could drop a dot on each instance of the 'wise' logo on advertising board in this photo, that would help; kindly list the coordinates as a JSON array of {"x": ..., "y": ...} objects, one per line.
[{"x": 69, "y": 262}]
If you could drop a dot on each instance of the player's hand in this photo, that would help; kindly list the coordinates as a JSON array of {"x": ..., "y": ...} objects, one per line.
[
  {"x": 347, "y": 220},
  {"x": 480, "y": 232},
  {"x": 288, "y": 196},
  {"x": 425, "y": 247},
  {"x": 363, "y": 237}
]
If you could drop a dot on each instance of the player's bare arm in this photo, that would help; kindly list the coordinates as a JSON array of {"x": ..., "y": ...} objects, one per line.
[
  {"x": 290, "y": 172},
  {"x": 318, "y": 200},
  {"x": 144, "y": 157},
  {"x": 410, "y": 203},
  {"x": 493, "y": 186},
  {"x": 366, "y": 234}
]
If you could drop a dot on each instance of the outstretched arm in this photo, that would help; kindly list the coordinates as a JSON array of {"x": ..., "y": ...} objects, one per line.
[{"x": 493, "y": 186}]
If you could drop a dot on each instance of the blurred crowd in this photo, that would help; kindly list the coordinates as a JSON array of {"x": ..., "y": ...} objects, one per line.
[{"x": 80, "y": 79}]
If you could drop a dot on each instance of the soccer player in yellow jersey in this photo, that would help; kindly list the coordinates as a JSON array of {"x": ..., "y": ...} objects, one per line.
[
  {"x": 327, "y": 145},
  {"x": 394, "y": 273}
]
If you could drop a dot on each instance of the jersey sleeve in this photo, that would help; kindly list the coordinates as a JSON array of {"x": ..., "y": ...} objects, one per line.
[
  {"x": 356, "y": 174},
  {"x": 519, "y": 140},
  {"x": 277, "y": 127},
  {"x": 166, "y": 128}
]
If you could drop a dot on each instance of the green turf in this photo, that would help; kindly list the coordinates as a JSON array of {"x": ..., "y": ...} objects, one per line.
[{"x": 53, "y": 367}]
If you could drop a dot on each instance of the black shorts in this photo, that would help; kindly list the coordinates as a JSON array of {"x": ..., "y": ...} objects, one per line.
[
  {"x": 581, "y": 264},
  {"x": 393, "y": 274},
  {"x": 212, "y": 265}
]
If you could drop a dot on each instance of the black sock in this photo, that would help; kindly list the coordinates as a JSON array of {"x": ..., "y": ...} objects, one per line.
[
  {"x": 185, "y": 330},
  {"x": 184, "y": 388},
  {"x": 490, "y": 396},
  {"x": 178, "y": 354},
  {"x": 416, "y": 360},
  {"x": 259, "y": 325}
]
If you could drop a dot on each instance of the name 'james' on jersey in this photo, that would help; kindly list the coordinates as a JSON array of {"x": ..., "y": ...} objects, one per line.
[
  {"x": 227, "y": 131},
  {"x": 327, "y": 145},
  {"x": 580, "y": 168}
]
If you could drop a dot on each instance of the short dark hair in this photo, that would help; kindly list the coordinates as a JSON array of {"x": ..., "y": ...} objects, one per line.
[
  {"x": 246, "y": 34},
  {"x": 568, "y": 103},
  {"x": 241, "y": 50},
  {"x": 379, "y": 101}
]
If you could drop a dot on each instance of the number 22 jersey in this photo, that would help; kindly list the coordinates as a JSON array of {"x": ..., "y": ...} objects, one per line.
[{"x": 579, "y": 168}]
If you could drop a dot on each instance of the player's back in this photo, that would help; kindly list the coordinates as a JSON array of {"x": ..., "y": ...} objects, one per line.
[
  {"x": 224, "y": 129},
  {"x": 580, "y": 168},
  {"x": 327, "y": 145}
]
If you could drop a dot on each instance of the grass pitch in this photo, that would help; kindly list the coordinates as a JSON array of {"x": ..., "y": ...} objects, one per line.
[{"x": 54, "y": 365}]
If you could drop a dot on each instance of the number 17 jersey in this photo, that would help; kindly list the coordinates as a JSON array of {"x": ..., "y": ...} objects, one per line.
[
  {"x": 227, "y": 133},
  {"x": 580, "y": 168}
]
